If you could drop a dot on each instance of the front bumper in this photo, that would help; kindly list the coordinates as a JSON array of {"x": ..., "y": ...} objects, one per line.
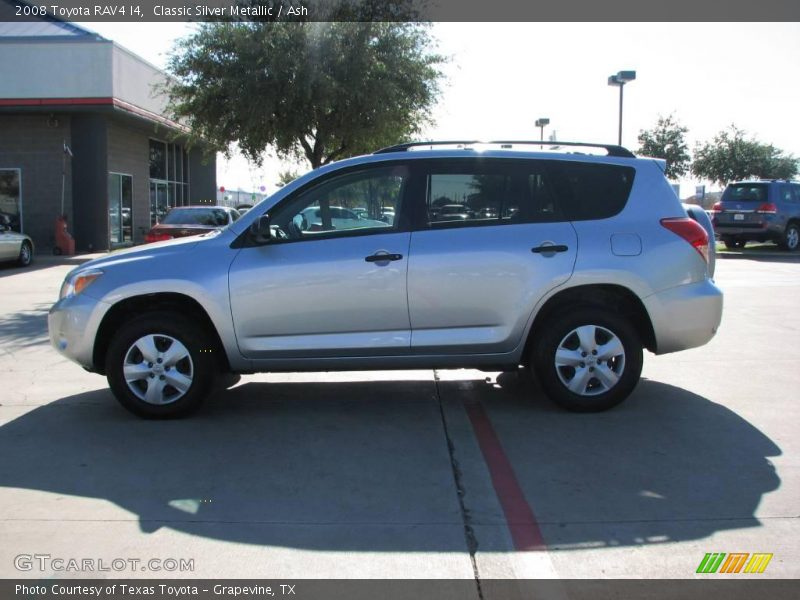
[
  {"x": 73, "y": 324},
  {"x": 685, "y": 316}
]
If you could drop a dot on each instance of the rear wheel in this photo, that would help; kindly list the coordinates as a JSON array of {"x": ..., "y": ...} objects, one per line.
[
  {"x": 588, "y": 360},
  {"x": 25, "y": 254},
  {"x": 791, "y": 238},
  {"x": 161, "y": 365}
]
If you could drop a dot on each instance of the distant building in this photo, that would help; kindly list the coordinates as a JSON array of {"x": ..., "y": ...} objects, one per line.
[{"x": 71, "y": 99}]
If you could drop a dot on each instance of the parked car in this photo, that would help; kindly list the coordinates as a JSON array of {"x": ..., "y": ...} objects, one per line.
[
  {"x": 311, "y": 219},
  {"x": 599, "y": 262},
  {"x": 14, "y": 246},
  {"x": 183, "y": 221},
  {"x": 452, "y": 212},
  {"x": 703, "y": 218},
  {"x": 763, "y": 210}
]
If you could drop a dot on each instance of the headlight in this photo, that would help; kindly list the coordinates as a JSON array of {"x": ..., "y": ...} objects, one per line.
[{"x": 75, "y": 284}]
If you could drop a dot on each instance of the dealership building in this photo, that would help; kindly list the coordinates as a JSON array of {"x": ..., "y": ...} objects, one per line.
[{"x": 83, "y": 132}]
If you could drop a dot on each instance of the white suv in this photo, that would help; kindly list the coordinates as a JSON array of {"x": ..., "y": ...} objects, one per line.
[{"x": 569, "y": 263}]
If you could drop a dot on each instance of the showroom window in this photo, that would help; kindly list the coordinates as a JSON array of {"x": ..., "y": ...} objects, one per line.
[
  {"x": 120, "y": 209},
  {"x": 169, "y": 178},
  {"x": 11, "y": 198}
]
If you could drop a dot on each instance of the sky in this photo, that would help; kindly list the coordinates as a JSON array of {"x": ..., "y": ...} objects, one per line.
[{"x": 501, "y": 77}]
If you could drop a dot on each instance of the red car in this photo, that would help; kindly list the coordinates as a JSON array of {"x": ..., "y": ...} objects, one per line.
[{"x": 183, "y": 221}]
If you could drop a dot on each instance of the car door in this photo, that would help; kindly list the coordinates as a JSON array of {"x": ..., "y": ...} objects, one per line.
[
  {"x": 320, "y": 290},
  {"x": 473, "y": 282},
  {"x": 10, "y": 242}
]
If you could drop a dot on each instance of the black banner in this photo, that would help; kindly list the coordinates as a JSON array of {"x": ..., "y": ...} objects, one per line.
[
  {"x": 399, "y": 10},
  {"x": 739, "y": 588}
]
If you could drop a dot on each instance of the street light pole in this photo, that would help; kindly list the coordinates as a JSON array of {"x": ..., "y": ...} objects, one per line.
[
  {"x": 619, "y": 80},
  {"x": 541, "y": 123}
]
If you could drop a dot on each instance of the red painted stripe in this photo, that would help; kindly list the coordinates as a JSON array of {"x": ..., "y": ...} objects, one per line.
[
  {"x": 521, "y": 521},
  {"x": 54, "y": 101}
]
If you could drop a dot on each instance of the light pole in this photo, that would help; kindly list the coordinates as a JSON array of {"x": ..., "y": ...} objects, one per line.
[
  {"x": 541, "y": 123},
  {"x": 619, "y": 80}
]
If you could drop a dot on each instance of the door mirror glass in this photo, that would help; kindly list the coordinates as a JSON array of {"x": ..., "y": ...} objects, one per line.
[{"x": 260, "y": 230}]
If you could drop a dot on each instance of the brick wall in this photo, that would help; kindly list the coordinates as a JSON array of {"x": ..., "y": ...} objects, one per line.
[{"x": 34, "y": 144}]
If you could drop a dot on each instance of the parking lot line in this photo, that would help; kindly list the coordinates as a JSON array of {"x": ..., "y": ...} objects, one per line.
[{"x": 520, "y": 518}]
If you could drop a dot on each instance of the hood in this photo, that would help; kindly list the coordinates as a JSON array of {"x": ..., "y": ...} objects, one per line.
[{"x": 145, "y": 252}]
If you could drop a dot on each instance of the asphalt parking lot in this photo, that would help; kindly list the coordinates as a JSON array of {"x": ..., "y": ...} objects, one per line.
[{"x": 447, "y": 474}]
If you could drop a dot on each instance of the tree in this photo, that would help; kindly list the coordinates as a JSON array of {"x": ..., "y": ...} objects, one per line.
[
  {"x": 286, "y": 177},
  {"x": 667, "y": 140},
  {"x": 731, "y": 156},
  {"x": 322, "y": 91}
]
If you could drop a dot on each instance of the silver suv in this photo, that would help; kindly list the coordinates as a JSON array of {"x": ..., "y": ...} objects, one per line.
[{"x": 569, "y": 263}]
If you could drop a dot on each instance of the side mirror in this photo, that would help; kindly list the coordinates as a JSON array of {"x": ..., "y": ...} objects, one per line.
[{"x": 260, "y": 230}]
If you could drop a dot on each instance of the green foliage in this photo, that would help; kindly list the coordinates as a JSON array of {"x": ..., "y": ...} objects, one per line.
[
  {"x": 319, "y": 91},
  {"x": 287, "y": 176},
  {"x": 731, "y": 157},
  {"x": 667, "y": 140}
]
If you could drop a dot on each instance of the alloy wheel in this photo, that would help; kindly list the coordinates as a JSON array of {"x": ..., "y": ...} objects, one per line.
[
  {"x": 590, "y": 360},
  {"x": 158, "y": 369}
]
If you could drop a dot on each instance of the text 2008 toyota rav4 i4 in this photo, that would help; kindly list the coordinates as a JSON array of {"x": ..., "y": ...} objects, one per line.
[{"x": 570, "y": 263}]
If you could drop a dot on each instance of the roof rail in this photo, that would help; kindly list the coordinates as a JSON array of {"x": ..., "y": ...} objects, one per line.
[{"x": 612, "y": 149}]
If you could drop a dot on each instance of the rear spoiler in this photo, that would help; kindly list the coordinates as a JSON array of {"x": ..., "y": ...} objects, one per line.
[{"x": 661, "y": 162}]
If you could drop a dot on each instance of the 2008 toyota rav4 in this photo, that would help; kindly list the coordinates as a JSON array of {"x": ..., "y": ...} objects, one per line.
[{"x": 570, "y": 263}]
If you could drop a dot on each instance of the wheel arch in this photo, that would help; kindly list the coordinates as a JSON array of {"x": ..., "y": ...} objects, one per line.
[
  {"x": 156, "y": 302},
  {"x": 607, "y": 296}
]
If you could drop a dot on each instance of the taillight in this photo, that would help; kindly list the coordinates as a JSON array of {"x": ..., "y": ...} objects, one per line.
[
  {"x": 717, "y": 208},
  {"x": 156, "y": 237},
  {"x": 768, "y": 208},
  {"x": 691, "y": 231}
]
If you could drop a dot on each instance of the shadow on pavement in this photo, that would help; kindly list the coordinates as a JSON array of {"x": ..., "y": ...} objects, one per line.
[
  {"x": 666, "y": 465},
  {"x": 25, "y": 328},
  {"x": 320, "y": 465}
]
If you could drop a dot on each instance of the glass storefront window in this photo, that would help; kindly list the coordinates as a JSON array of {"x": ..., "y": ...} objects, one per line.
[
  {"x": 169, "y": 178},
  {"x": 11, "y": 198},
  {"x": 120, "y": 208},
  {"x": 158, "y": 160}
]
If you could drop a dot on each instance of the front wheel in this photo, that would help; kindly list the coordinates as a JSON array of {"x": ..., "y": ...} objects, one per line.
[
  {"x": 161, "y": 365},
  {"x": 589, "y": 360}
]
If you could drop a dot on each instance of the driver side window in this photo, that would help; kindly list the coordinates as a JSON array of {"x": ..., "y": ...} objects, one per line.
[{"x": 356, "y": 203}]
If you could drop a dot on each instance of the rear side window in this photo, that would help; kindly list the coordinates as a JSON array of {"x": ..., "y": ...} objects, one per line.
[
  {"x": 590, "y": 191},
  {"x": 469, "y": 198},
  {"x": 473, "y": 193},
  {"x": 746, "y": 192},
  {"x": 786, "y": 193}
]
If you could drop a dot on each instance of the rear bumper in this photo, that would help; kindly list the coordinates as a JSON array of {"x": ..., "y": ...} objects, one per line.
[
  {"x": 759, "y": 232},
  {"x": 685, "y": 316}
]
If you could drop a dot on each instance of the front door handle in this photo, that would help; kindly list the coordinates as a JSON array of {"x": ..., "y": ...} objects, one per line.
[
  {"x": 547, "y": 248},
  {"x": 383, "y": 257}
]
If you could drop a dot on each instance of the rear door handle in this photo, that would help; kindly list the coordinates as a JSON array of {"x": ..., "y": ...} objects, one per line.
[
  {"x": 383, "y": 257},
  {"x": 547, "y": 248}
]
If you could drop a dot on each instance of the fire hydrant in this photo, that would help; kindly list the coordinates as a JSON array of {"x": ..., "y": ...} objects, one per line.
[{"x": 65, "y": 243}]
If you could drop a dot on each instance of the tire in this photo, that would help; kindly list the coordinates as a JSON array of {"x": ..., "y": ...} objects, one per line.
[
  {"x": 556, "y": 371},
  {"x": 733, "y": 243},
  {"x": 194, "y": 376},
  {"x": 791, "y": 238},
  {"x": 25, "y": 254}
]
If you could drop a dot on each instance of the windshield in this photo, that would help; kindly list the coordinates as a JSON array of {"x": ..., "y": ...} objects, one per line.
[
  {"x": 211, "y": 217},
  {"x": 746, "y": 192}
]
